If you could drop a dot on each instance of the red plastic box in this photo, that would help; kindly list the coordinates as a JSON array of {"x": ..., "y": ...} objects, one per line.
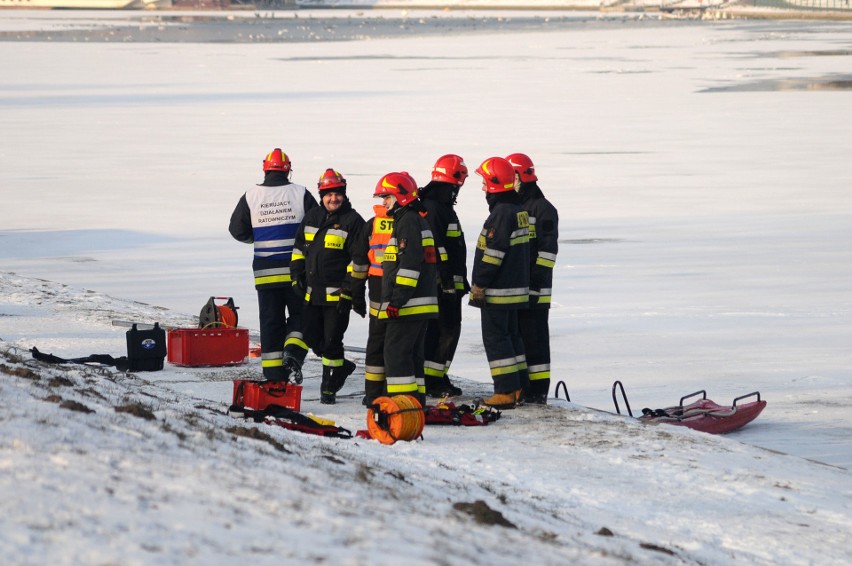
[
  {"x": 258, "y": 395},
  {"x": 208, "y": 347}
]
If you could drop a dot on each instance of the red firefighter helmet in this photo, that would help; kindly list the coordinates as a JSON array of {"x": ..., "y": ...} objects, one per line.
[
  {"x": 277, "y": 160},
  {"x": 399, "y": 185},
  {"x": 450, "y": 168},
  {"x": 498, "y": 174},
  {"x": 331, "y": 179},
  {"x": 523, "y": 166}
]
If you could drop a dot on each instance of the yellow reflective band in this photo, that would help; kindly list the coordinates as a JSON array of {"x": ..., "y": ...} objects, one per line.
[
  {"x": 519, "y": 240},
  {"x": 428, "y": 242},
  {"x": 276, "y": 363},
  {"x": 506, "y": 300},
  {"x": 407, "y": 281},
  {"x": 445, "y": 257},
  {"x": 454, "y": 233},
  {"x": 542, "y": 299},
  {"x": 433, "y": 372},
  {"x": 532, "y": 231},
  {"x": 332, "y": 298},
  {"x": 535, "y": 376},
  {"x": 272, "y": 279},
  {"x": 296, "y": 342},
  {"x": 296, "y": 256},
  {"x": 408, "y": 311},
  {"x": 369, "y": 376},
  {"x": 404, "y": 388},
  {"x": 332, "y": 363},
  {"x": 492, "y": 260},
  {"x": 504, "y": 370},
  {"x": 309, "y": 236},
  {"x": 545, "y": 262},
  {"x": 389, "y": 256}
]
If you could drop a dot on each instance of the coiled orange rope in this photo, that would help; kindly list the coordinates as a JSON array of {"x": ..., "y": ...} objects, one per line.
[
  {"x": 395, "y": 418},
  {"x": 229, "y": 317}
]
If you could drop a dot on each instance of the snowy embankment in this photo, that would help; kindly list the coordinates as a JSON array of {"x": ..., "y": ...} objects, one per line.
[{"x": 100, "y": 466}]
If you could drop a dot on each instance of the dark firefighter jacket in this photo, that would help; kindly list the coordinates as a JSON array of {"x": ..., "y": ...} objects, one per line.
[
  {"x": 409, "y": 267},
  {"x": 544, "y": 243},
  {"x": 438, "y": 199},
  {"x": 326, "y": 258},
  {"x": 501, "y": 262}
]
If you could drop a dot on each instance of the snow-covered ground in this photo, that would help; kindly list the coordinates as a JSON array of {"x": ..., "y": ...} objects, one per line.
[{"x": 701, "y": 172}]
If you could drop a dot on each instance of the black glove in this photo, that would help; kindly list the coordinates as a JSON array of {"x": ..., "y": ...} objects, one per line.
[
  {"x": 299, "y": 288},
  {"x": 359, "y": 305},
  {"x": 344, "y": 305}
]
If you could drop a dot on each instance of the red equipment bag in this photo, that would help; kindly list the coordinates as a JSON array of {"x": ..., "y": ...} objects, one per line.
[
  {"x": 462, "y": 415},
  {"x": 258, "y": 395}
]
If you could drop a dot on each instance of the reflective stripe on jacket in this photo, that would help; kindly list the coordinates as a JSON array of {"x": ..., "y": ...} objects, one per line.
[
  {"x": 409, "y": 268},
  {"x": 501, "y": 261},
  {"x": 544, "y": 244}
]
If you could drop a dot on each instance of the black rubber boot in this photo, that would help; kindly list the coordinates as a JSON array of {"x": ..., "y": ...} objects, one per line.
[
  {"x": 328, "y": 394},
  {"x": 339, "y": 375},
  {"x": 278, "y": 374},
  {"x": 441, "y": 387},
  {"x": 372, "y": 391},
  {"x": 293, "y": 368}
]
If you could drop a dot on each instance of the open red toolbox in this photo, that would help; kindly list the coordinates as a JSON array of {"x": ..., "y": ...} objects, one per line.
[{"x": 208, "y": 346}]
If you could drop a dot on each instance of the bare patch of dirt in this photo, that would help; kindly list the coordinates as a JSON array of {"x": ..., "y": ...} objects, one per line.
[
  {"x": 137, "y": 410},
  {"x": 26, "y": 373},
  {"x": 655, "y": 548},
  {"x": 60, "y": 382},
  {"x": 258, "y": 434},
  {"x": 75, "y": 406},
  {"x": 483, "y": 514}
]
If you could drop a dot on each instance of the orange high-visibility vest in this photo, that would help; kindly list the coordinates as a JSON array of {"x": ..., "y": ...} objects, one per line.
[{"x": 382, "y": 229}]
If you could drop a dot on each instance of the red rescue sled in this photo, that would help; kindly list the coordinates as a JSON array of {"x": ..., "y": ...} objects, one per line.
[{"x": 703, "y": 415}]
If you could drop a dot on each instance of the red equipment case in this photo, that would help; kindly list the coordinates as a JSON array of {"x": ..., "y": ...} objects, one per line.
[
  {"x": 258, "y": 395},
  {"x": 208, "y": 347}
]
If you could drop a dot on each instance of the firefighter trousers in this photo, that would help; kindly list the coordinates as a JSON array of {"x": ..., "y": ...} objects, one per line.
[
  {"x": 280, "y": 313},
  {"x": 404, "y": 357},
  {"x": 323, "y": 327},
  {"x": 534, "y": 325},
  {"x": 442, "y": 336},
  {"x": 374, "y": 360},
  {"x": 504, "y": 349}
]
